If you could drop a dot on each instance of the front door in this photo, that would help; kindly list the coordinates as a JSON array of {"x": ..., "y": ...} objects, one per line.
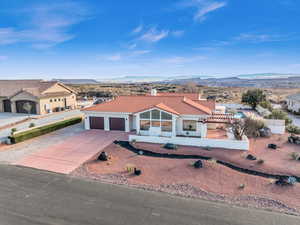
[{"x": 7, "y": 105}]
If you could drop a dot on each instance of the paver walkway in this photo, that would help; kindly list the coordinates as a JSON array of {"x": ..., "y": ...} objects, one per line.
[{"x": 73, "y": 152}]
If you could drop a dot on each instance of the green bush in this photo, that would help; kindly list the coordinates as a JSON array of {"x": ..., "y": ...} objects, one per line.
[
  {"x": 295, "y": 155},
  {"x": 31, "y": 125},
  {"x": 293, "y": 129},
  {"x": 278, "y": 114},
  {"x": 13, "y": 130},
  {"x": 22, "y": 136},
  {"x": 267, "y": 105}
]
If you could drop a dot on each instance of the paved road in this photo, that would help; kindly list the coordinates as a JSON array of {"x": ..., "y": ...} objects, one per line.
[
  {"x": 48, "y": 119},
  {"x": 29, "y": 197}
]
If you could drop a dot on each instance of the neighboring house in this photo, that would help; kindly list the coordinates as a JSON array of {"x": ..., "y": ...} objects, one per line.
[
  {"x": 293, "y": 103},
  {"x": 176, "y": 118},
  {"x": 42, "y": 96}
]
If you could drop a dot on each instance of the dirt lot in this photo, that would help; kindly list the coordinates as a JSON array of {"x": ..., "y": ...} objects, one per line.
[{"x": 214, "y": 181}]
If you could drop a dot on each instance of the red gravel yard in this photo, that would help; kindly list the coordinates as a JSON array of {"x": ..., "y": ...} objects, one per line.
[{"x": 213, "y": 181}]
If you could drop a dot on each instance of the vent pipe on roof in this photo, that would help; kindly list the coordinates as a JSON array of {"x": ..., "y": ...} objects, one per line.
[{"x": 153, "y": 92}]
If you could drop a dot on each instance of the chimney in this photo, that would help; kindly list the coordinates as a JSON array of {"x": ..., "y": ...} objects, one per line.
[{"x": 153, "y": 92}]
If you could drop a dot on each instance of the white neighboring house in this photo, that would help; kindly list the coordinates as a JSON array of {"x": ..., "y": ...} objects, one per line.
[
  {"x": 178, "y": 118},
  {"x": 293, "y": 103}
]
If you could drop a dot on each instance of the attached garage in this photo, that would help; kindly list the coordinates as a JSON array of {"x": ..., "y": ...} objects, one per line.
[
  {"x": 26, "y": 106},
  {"x": 97, "y": 123},
  {"x": 117, "y": 124}
]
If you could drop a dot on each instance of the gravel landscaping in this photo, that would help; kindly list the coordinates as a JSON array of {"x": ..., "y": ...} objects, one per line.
[{"x": 178, "y": 176}]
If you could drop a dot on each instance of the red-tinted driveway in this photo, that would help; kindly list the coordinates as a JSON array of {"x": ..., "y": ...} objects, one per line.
[{"x": 73, "y": 152}]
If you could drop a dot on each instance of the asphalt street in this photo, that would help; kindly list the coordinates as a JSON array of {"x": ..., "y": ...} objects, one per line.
[{"x": 29, "y": 197}]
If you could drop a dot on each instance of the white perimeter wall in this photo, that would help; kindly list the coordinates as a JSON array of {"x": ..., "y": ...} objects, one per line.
[
  {"x": 198, "y": 142},
  {"x": 276, "y": 126}
]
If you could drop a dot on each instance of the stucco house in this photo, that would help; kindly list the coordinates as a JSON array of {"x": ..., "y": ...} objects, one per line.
[
  {"x": 160, "y": 114},
  {"x": 178, "y": 118},
  {"x": 293, "y": 103},
  {"x": 42, "y": 96}
]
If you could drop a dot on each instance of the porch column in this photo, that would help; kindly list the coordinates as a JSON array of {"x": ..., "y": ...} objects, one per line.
[
  {"x": 87, "y": 123},
  {"x": 106, "y": 123},
  {"x": 137, "y": 123},
  {"x": 13, "y": 107},
  {"x": 127, "y": 128},
  {"x": 174, "y": 126}
]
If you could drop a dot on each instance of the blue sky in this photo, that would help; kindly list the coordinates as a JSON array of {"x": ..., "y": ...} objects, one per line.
[{"x": 112, "y": 38}]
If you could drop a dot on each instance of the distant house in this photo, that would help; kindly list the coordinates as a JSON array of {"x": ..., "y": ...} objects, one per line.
[
  {"x": 42, "y": 96},
  {"x": 293, "y": 103}
]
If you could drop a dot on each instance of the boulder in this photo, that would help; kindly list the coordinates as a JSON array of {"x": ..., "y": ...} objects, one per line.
[
  {"x": 286, "y": 181},
  {"x": 265, "y": 132},
  {"x": 198, "y": 164},
  {"x": 170, "y": 146},
  {"x": 103, "y": 156},
  {"x": 251, "y": 157},
  {"x": 137, "y": 172},
  {"x": 272, "y": 146}
]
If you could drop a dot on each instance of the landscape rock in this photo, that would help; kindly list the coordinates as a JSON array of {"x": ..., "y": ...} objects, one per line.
[
  {"x": 251, "y": 157},
  {"x": 198, "y": 164},
  {"x": 272, "y": 146},
  {"x": 103, "y": 156},
  {"x": 265, "y": 132}
]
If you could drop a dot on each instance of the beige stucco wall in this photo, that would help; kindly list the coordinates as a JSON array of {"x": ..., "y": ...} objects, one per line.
[
  {"x": 57, "y": 102},
  {"x": 1, "y": 104}
]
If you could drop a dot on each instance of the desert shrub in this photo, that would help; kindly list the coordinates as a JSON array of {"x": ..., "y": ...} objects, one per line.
[
  {"x": 170, "y": 146},
  {"x": 133, "y": 141},
  {"x": 252, "y": 126},
  {"x": 130, "y": 168},
  {"x": 31, "y": 125},
  {"x": 242, "y": 186},
  {"x": 293, "y": 129},
  {"x": 213, "y": 161},
  {"x": 22, "y": 136},
  {"x": 278, "y": 114},
  {"x": 266, "y": 104},
  {"x": 13, "y": 130},
  {"x": 295, "y": 156},
  {"x": 260, "y": 161}
]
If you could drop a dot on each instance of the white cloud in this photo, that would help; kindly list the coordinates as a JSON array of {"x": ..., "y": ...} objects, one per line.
[
  {"x": 47, "y": 25},
  {"x": 178, "y": 33},
  {"x": 203, "y": 7},
  {"x": 257, "y": 38},
  {"x": 138, "y": 29},
  {"x": 154, "y": 35},
  {"x": 140, "y": 52}
]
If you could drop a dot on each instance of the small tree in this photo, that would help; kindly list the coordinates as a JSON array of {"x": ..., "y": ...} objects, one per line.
[
  {"x": 253, "y": 126},
  {"x": 238, "y": 128},
  {"x": 253, "y": 97}
]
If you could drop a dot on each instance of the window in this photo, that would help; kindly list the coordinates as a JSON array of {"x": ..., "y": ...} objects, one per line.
[
  {"x": 155, "y": 114},
  {"x": 59, "y": 99},
  {"x": 166, "y": 126},
  {"x": 189, "y": 125},
  {"x": 55, "y": 99},
  {"x": 145, "y": 115},
  {"x": 51, "y": 100},
  {"x": 155, "y": 123},
  {"x": 166, "y": 116},
  {"x": 144, "y": 124}
]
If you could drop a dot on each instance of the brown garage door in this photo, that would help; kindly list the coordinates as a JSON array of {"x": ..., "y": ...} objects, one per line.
[
  {"x": 97, "y": 123},
  {"x": 117, "y": 124}
]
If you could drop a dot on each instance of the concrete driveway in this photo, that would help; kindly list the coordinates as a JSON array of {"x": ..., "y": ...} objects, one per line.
[
  {"x": 73, "y": 152},
  {"x": 51, "y": 118}
]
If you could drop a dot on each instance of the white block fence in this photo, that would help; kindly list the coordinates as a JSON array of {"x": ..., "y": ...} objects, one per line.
[{"x": 197, "y": 142}]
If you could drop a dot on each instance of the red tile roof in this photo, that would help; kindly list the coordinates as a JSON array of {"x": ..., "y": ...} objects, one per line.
[
  {"x": 133, "y": 104},
  {"x": 192, "y": 96}
]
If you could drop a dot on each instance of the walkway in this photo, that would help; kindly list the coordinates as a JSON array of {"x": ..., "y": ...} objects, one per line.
[{"x": 73, "y": 152}]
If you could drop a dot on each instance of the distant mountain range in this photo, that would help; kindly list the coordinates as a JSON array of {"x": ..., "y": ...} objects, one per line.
[{"x": 263, "y": 80}]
